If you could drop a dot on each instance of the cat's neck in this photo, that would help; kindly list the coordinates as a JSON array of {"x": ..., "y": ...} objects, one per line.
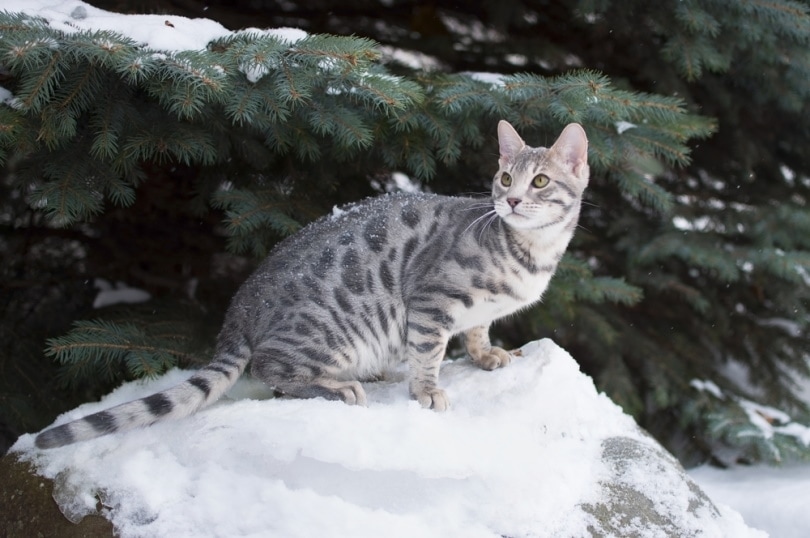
[{"x": 538, "y": 240}]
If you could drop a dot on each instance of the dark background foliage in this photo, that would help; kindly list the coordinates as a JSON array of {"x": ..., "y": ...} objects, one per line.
[{"x": 692, "y": 259}]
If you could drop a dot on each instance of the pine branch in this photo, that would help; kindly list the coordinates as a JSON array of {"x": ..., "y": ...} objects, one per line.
[
  {"x": 670, "y": 285},
  {"x": 793, "y": 267},
  {"x": 695, "y": 250},
  {"x": 696, "y": 20},
  {"x": 334, "y": 53},
  {"x": 187, "y": 82},
  {"x": 599, "y": 290},
  {"x": 256, "y": 104},
  {"x": 248, "y": 212},
  {"x": 13, "y": 130},
  {"x": 384, "y": 92},
  {"x": 108, "y": 124},
  {"x": 637, "y": 186},
  {"x": 132, "y": 342},
  {"x": 691, "y": 53},
  {"x": 103, "y": 348},
  {"x": 171, "y": 143},
  {"x": 339, "y": 123},
  {"x": 598, "y": 325},
  {"x": 616, "y": 380},
  {"x": 756, "y": 432}
]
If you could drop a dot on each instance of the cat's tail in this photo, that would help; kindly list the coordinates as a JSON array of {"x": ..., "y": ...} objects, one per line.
[{"x": 203, "y": 388}]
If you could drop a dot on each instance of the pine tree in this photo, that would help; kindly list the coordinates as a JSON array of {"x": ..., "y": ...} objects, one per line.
[{"x": 684, "y": 293}]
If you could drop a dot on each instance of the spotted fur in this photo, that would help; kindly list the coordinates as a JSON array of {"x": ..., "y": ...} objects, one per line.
[{"x": 381, "y": 281}]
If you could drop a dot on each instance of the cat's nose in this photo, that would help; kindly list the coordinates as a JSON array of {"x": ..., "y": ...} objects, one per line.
[{"x": 513, "y": 202}]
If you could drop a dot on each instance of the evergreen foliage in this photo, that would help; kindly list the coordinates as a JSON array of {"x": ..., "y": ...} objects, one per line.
[
  {"x": 164, "y": 169},
  {"x": 129, "y": 343}
]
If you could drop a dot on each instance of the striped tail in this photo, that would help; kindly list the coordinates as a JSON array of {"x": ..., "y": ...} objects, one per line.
[{"x": 201, "y": 389}]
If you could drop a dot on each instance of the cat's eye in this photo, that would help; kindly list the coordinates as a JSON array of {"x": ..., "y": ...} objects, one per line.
[
  {"x": 540, "y": 181},
  {"x": 506, "y": 179}
]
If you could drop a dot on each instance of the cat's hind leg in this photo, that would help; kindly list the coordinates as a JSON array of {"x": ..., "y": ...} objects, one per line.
[{"x": 300, "y": 376}]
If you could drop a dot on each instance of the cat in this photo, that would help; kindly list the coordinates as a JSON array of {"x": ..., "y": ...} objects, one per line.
[{"x": 385, "y": 280}]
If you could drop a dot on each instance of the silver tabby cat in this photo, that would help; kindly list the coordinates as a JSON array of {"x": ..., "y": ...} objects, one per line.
[{"x": 385, "y": 280}]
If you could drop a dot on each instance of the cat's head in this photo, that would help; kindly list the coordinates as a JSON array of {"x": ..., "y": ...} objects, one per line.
[{"x": 538, "y": 187}]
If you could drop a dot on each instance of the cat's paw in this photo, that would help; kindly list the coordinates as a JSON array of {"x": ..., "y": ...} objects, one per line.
[
  {"x": 352, "y": 393},
  {"x": 494, "y": 358},
  {"x": 432, "y": 398}
]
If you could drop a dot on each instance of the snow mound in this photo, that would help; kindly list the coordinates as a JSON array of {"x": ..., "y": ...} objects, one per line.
[{"x": 528, "y": 450}]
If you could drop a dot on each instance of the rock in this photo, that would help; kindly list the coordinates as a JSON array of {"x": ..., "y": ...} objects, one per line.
[
  {"x": 27, "y": 508},
  {"x": 648, "y": 491}
]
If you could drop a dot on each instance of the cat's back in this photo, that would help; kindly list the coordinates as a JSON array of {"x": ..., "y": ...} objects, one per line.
[
  {"x": 361, "y": 260},
  {"x": 372, "y": 227},
  {"x": 359, "y": 247}
]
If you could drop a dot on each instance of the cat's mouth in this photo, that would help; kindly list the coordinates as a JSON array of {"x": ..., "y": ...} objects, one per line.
[
  {"x": 516, "y": 212},
  {"x": 517, "y": 219},
  {"x": 511, "y": 213}
]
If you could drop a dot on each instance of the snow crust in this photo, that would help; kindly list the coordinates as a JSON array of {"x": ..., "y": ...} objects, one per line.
[
  {"x": 159, "y": 32},
  {"x": 168, "y": 33},
  {"x": 517, "y": 455}
]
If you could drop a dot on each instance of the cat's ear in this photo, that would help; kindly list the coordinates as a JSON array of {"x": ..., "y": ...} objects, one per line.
[
  {"x": 572, "y": 149},
  {"x": 509, "y": 142}
]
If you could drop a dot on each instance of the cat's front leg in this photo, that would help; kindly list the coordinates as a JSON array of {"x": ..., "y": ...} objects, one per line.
[
  {"x": 483, "y": 353},
  {"x": 426, "y": 346}
]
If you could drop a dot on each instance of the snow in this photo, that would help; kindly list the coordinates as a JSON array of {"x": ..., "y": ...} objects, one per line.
[
  {"x": 404, "y": 183},
  {"x": 6, "y": 96},
  {"x": 516, "y": 455},
  {"x": 708, "y": 386},
  {"x": 768, "y": 420},
  {"x": 775, "y": 499},
  {"x": 622, "y": 126},
  {"x": 399, "y": 182},
  {"x": 494, "y": 79},
  {"x": 409, "y": 58},
  {"x": 119, "y": 293},
  {"x": 167, "y": 33},
  {"x": 158, "y": 32}
]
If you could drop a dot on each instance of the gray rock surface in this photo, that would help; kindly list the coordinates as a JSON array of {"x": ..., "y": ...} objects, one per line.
[{"x": 630, "y": 509}]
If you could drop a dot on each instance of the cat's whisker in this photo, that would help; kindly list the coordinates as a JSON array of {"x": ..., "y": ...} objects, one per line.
[
  {"x": 479, "y": 219},
  {"x": 476, "y": 194},
  {"x": 482, "y": 205},
  {"x": 492, "y": 218}
]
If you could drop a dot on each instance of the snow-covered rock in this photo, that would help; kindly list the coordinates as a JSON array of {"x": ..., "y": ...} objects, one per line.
[{"x": 528, "y": 450}]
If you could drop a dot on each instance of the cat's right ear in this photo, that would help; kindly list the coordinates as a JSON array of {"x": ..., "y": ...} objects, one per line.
[{"x": 509, "y": 142}]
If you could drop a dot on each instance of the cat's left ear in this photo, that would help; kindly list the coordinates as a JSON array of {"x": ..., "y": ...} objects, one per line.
[
  {"x": 572, "y": 148},
  {"x": 509, "y": 142}
]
